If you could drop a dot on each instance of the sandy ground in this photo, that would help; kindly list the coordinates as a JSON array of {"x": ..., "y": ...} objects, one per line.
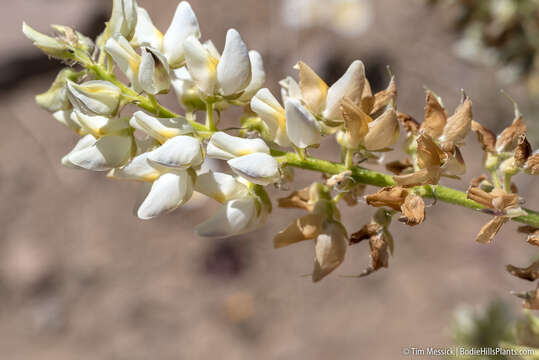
[{"x": 82, "y": 278}]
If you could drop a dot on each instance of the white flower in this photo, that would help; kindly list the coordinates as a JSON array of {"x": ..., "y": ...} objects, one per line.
[
  {"x": 258, "y": 76},
  {"x": 183, "y": 25},
  {"x": 234, "y": 217},
  {"x": 186, "y": 90},
  {"x": 126, "y": 58},
  {"x": 95, "y": 97},
  {"x": 146, "y": 34},
  {"x": 350, "y": 85},
  {"x": 51, "y": 46},
  {"x": 65, "y": 117},
  {"x": 301, "y": 126},
  {"x": 101, "y": 154},
  {"x": 226, "y": 76},
  {"x": 170, "y": 188},
  {"x": 225, "y": 147},
  {"x": 259, "y": 168},
  {"x": 153, "y": 72},
  {"x": 272, "y": 114},
  {"x": 180, "y": 152},
  {"x": 158, "y": 128},
  {"x": 220, "y": 186},
  {"x": 98, "y": 125}
]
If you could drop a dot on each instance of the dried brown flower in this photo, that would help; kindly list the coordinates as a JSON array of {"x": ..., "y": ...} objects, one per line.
[
  {"x": 356, "y": 123},
  {"x": 523, "y": 151},
  {"x": 487, "y": 232},
  {"x": 397, "y": 167},
  {"x": 532, "y": 165},
  {"x": 413, "y": 210},
  {"x": 385, "y": 97},
  {"x": 392, "y": 197},
  {"x": 435, "y": 116},
  {"x": 313, "y": 89},
  {"x": 304, "y": 228},
  {"x": 366, "y": 232},
  {"x": 530, "y": 273},
  {"x": 508, "y": 139},
  {"x": 533, "y": 234},
  {"x": 409, "y": 123},
  {"x": 330, "y": 249},
  {"x": 486, "y": 138},
  {"x": 367, "y": 98},
  {"x": 531, "y": 299},
  {"x": 459, "y": 124},
  {"x": 298, "y": 199}
]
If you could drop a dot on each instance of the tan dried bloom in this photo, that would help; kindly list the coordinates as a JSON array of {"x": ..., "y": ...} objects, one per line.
[
  {"x": 413, "y": 210},
  {"x": 530, "y": 273},
  {"x": 356, "y": 124},
  {"x": 459, "y": 124},
  {"x": 383, "y": 131},
  {"x": 366, "y": 232},
  {"x": 487, "y": 232},
  {"x": 477, "y": 181},
  {"x": 367, "y": 98},
  {"x": 299, "y": 199},
  {"x": 304, "y": 228},
  {"x": 330, "y": 249},
  {"x": 392, "y": 197},
  {"x": 454, "y": 165},
  {"x": 408, "y": 123},
  {"x": 508, "y": 138},
  {"x": 435, "y": 116},
  {"x": 398, "y": 167},
  {"x": 354, "y": 194},
  {"x": 313, "y": 89},
  {"x": 531, "y": 299},
  {"x": 385, "y": 97},
  {"x": 496, "y": 199},
  {"x": 532, "y": 165},
  {"x": 523, "y": 151},
  {"x": 486, "y": 138},
  {"x": 533, "y": 234},
  {"x": 380, "y": 245}
]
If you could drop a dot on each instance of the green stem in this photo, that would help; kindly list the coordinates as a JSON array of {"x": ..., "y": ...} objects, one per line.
[
  {"x": 348, "y": 158},
  {"x": 507, "y": 183},
  {"x": 369, "y": 177},
  {"x": 210, "y": 120},
  {"x": 495, "y": 179}
]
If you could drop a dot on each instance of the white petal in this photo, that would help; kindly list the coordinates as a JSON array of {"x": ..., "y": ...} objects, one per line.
[
  {"x": 168, "y": 192},
  {"x": 330, "y": 249},
  {"x": 232, "y": 218},
  {"x": 201, "y": 65},
  {"x": 95, "y": 97},
  {"x": 100, "y": 125},
  {"x": 225, "y": 147},
  {"x": 220, "y": 186},
  {"x": 84, "y": 143},
  {"x": 158, "y": 128},
  {"x": 234, "y": 69},
  {"x": 126, "y": 58},
  {"x": 290, "y": 88},
  {"x": 179, "y": 152},
  {"x": 258, "y": 76},
  {"x": 64, "y": 117},
  {"x": 301, "y": 125},
  {"x": 153, "y": 72},
  {"x": 183, "y": 25},
  {"x": 383, "y": 132},
  {"x": 137, "y": 169},
  {"x": 210, "y": 46},
  {"x": 146, "y": 34},
  {"x": 108, "y": 152},
  {"x": 55, "y": 99},
  {"x": 124, "y": 18},
  {"x": 272, "y": 114},
  {"x": 185, "y": 88},
  {"x": 258, "y": 168},
  {"x": 349, "y": 85}
]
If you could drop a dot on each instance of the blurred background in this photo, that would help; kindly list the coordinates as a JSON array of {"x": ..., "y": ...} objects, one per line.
[{"x": 82, "y": 278}]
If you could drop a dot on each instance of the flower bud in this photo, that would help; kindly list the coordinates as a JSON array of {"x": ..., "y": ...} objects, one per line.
[
  {"x": 183, "y": 25},
  {"x": 272, "y": 114},
  {"x": 123, "y": 20},
  {"x": 126, "y": 58},
  {"x": 100, "y": 125},
  {"x": 95, "y": 97},
  {"x": 55, "y": 99},
  {"x": 161, "y": 129},
  {"x": 146, "y": 34},
  {"x": 234, "y": 68},
  {"x": 509, "y": 167},
  {"x": 53, "y": 47}
]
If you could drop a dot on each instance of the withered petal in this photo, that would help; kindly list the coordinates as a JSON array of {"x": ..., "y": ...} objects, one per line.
[
  {"x": 429, "y": 176},
  {"x": 313, "y": 89},
  {"x": 409, "y": 123},
  {"x": 392, "y": 197},
  {"x": 523, "y": 151},
  {"x": 365, "y": 233},
  {"x": 530, "y": 273},
  {"x": 486, "y": 138},
  {"x": 487, "y": 232},
  {"x": 413, "y": 210},
  {"x": 304, "y": 228},
  {"x": 385, "y": 97},
  {"x": 367, "y": 98},
  {"x": 298, "y": 199},
  {"x": 397, "y": 167},
  {"x": 508, "y": 138},
  {"x": 532, "y": 165},
  {"x": 356, "y": 122},
  {"x": 459, "y": 124},
  {"x": 435, "y": 116},
  {"x": 428, "y": 153}
]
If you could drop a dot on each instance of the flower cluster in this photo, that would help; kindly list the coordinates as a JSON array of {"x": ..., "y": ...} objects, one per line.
[{"x": 166, "y": 151}]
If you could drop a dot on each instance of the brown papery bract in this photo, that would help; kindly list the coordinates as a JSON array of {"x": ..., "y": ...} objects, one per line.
[
  {"x": 487, "y": 232},
  {"x": 508, "y": 138},
  {"x": 459, "y": 124},
  {"x": 523, "y": 151},
  {"x": 435, "y": 116},
  {"x": 486, "y": 138},
  {"x": 392, "y": 197},
  {"x": 385, "y": 97},
  {"x": 413, "y": 210}
]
